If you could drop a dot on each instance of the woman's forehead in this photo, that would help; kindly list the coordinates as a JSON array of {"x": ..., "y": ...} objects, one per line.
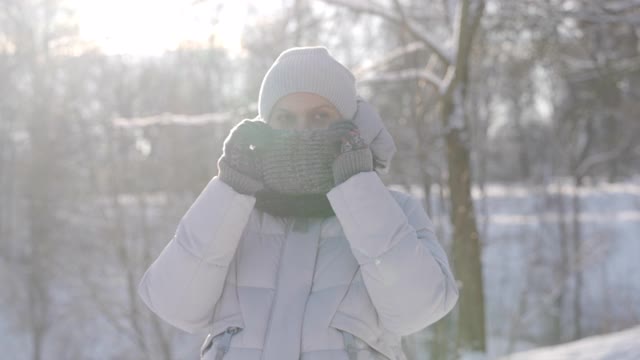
[{"x": 302, "y": 101}]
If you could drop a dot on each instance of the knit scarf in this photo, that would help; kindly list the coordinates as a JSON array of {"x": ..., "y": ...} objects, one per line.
[
  {"x": 297, "y": 173},
  {"x": 300, "y": 205},
  {"x": 299, "y": 161}
]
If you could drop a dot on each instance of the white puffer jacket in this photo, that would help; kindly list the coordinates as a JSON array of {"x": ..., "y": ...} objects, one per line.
[{"x": 272, "y": 288}]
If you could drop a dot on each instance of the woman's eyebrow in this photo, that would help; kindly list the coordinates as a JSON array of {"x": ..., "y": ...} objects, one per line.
[{"x": 321, "y": 106}]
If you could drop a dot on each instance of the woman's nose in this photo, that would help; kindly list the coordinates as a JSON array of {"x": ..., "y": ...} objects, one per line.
[{"x": 311, "y": 123}]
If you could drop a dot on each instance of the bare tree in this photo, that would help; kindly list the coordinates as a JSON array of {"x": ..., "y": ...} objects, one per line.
[
  {"x": 31, "y": 33},
  {"x": 451, "y": 88},
  {"x": 592, "y": 114}
]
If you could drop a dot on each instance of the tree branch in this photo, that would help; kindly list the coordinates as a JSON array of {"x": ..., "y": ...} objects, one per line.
[
  {"x": 613, "y": 7},
  {"x": 409, "y": 25},
  {"x": 392, "y": 55},
  {"x": 407, "y": 74},
  {"x": 467, "y": 23},
  {"x": 624, "y": 146}
]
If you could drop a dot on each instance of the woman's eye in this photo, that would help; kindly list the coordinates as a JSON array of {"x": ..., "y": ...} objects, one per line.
[
  {"x": 285, "y": 119},
  {"x": 322, "y": 115}
]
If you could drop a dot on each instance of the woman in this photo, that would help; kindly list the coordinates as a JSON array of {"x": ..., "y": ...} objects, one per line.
[{"x": 296, "y": 249}]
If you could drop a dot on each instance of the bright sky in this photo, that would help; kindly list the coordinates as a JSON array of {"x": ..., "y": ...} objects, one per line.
[{"x": 149, "y": 27}]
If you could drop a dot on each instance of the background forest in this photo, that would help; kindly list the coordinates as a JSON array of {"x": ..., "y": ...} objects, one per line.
[{"x": 516, "y": 122}]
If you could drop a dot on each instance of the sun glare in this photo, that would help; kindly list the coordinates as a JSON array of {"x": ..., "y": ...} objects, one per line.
[{"x": 148, "y": 27}]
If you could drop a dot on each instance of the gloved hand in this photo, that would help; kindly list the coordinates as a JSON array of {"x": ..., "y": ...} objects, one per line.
[
  {"x": 241, "y": 165},
  {"x": 375, "y": 134},
  {"x": 355, "y": 155}
]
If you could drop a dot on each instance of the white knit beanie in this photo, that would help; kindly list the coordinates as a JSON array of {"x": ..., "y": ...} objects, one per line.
[{"x": 308, "y": 69}]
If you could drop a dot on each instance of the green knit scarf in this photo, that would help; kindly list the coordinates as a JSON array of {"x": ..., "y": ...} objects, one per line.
[{"x": 300, "y": 205}]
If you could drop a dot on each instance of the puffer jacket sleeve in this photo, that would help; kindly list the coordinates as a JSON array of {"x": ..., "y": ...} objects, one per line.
[
  {"x": 404, "y": 269},
  {"x": 184, "y": 283}
]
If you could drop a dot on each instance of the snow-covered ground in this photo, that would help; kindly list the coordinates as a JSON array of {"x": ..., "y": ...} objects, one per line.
[
  {"x": 522, "y": 262},
  {"x": 622, "y": 345},
  {"x": 521, "y": 229}
]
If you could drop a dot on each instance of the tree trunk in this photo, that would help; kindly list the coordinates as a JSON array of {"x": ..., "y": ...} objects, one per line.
[
  {"x": 466, "y": 241},
  {"x": 558, "y": 335},
  {"x": 577, "y": 261},
  {"x": 467, "y": 253}
]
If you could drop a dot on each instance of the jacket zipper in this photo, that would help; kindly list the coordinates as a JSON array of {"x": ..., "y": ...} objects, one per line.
[
  {"x": 350, "y": 346},
  {"x": 275, "y": 300},
  {"x": 225, "y": 341}
]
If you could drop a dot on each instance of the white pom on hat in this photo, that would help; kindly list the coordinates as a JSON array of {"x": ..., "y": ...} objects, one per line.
[{"x": 308, "y": 69}]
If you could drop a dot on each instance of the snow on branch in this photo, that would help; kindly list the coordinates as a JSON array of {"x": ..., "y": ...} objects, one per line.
[
  {"x": 166, "y": 119},
  {"x": 391, "y": 56},
  {"x": 420, "y": 34},
  {"x": 407, "y": 74},
  {"x": 602, "y": 18},
  {"x": 446, "y": 55},
  {"x": 626, "y": 11},
  {"x": 617, "y": 7},
  {"x": 443, "y": 53},
  {"x": 365, "y": 7}
]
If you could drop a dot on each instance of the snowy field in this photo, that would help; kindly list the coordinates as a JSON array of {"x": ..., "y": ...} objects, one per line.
[
  {"x": 522, "y": 259},
  {"x": 521, "y": 230},
  {"x": 623, "y": 345}
]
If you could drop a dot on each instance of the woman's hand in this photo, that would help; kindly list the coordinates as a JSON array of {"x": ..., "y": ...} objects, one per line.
[
  {"x": 355, "y": 155},
  {"x": 240, "y": 165}
]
